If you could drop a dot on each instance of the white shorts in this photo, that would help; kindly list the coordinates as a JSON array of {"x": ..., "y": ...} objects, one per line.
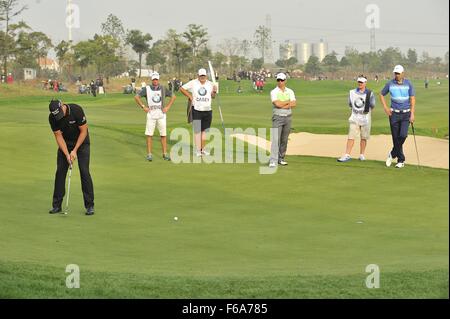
[
  {"x": 357, "y": 131},
  {"x": 152, "y": 124}
]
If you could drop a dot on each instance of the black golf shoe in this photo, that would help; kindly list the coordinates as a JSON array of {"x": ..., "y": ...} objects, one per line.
[
  {"x": 55, "y": 210},
  {"x": 90, "y": 211}
]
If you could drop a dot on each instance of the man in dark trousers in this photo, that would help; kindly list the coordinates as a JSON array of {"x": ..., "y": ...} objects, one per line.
[
  {"x": 401, "y": 113},
  {"x": 69, "y": 125}
]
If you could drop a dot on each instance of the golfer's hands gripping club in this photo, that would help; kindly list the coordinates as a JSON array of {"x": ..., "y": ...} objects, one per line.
[
  {"x": 73, "y": 156},
  {"x": 412, "y": 118}
]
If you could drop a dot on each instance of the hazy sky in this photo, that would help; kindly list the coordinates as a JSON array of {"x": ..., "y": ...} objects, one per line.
[{"x": 423, "y": 25}]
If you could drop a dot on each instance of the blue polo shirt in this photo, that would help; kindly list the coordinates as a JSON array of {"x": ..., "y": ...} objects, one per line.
[{"x": 400, "y": 94}]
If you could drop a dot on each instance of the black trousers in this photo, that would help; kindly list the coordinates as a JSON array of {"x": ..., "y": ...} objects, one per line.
[
  {"x": 399, "y": 129},
  {"x": 87, "y": 186}
]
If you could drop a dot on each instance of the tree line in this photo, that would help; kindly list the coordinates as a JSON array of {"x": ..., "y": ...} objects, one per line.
[{"x": 176, "y": 53}]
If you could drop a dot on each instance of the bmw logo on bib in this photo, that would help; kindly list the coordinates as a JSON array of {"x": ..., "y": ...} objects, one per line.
[
  {"x": 156, "y": 98},
  {"x": 359, "y": 103},
  {"x": 202, "y": 91}
]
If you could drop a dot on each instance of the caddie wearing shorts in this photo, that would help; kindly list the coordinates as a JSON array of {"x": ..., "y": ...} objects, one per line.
[
  {"x": 361, "y": 102},
  {"x": 156, "y": 113}
]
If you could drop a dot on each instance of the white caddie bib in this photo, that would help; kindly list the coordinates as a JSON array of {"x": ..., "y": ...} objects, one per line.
[
  {"x": 154, "y": 100},
  {"x": 358, "y": 102}
]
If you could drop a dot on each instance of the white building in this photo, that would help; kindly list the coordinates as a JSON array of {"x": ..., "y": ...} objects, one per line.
[
  {"x": 304, "y": 52},
  {"x": 29, "y": 74},
  {"x": 320, "y": 49},
  {"x": 287, "y": 50}
]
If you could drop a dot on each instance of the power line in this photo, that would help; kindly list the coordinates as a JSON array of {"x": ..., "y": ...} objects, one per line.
[{"x": 363, "y": 31}]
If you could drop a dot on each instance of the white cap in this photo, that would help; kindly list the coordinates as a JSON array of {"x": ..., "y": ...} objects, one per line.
[
  {"x": 281, "y": 76},
  {"x": 202, "y": 72},
  {"x": 155, "y": 76},
  {"x": 362, "y": 79},
  {"x": 398, "y": 69}
]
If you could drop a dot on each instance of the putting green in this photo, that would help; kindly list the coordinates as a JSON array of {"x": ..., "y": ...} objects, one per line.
[{"x": 307, "y": 231}]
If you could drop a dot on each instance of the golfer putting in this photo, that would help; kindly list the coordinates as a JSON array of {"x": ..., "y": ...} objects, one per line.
[
  {"x": 69, "y": 125},
  {"x": 361, "y": 102},
  {"x": 401, "y": 113},
  {"x": 156, "y": 113},
  {"x": 200, "y": 92}
]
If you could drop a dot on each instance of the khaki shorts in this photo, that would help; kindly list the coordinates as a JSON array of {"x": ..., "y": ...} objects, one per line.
[
  {"x": 356, "y": 131},
  {"x": 152, "y": 124}
]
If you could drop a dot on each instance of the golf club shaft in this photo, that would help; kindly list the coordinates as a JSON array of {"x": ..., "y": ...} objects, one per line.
[
  {"x": 415, "y": 143},
  {"x": 220, "y": 112},
  {"x": 213, "y": 78},
  {"x": 68, "y": 188}
]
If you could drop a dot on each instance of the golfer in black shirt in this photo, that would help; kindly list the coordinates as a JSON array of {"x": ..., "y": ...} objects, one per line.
[{"x": 69, "y": 125}]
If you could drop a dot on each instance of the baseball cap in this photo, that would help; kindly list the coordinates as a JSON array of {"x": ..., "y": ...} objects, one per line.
[
  {"x": 201, "y": 72},
  {"x": 281, "y": 76},
  {"x": 399, "y": 69},
  {"x": 155, "y": 76},
  {"x": 362, "y": 78},
  {"x": 55, "y": 108}
]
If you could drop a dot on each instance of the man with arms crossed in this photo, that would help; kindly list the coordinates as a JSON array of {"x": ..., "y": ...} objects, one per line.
[{"x": 283, "y": 101}]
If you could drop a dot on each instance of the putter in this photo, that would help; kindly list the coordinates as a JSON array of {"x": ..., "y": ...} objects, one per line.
[
  {"x": 66, "y": 210},
  {"x": 415, "y": 143}
]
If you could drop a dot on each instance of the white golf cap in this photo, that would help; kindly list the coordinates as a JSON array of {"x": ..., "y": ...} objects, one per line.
[
  {"x": 202, "y": 72},
  {"x": 155, "y": 76},
  {"x": 281, "y": 76},
  {"x": 361, "y": 79},
  {"x": 399, "y": 69}
]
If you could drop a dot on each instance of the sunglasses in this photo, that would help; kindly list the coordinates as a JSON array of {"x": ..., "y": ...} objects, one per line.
[
  {"x": 361, "y": 82},
  {"x": 280, "y": 80},
  {"x": 397, "y": 73}
]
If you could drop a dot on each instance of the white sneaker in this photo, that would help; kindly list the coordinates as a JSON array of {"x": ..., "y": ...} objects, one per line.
[
  {"x": 400, "y": 165},
  {"x": 282, "y": 162},
  {"x": 389, "y": 160},
  {"x": 362, "y": 157},
  {"x": 272, "y": 164},
  {"x": 206, "y": 153},
  {"x": 345, "y": 158},
  {"x": 198, "y": 154}
]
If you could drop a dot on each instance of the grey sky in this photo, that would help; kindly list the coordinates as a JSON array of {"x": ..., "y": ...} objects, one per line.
[{"x": 422, "y": 24}]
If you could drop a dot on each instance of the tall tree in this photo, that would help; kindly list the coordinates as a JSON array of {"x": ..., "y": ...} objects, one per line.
[
  {"x": 140, "y": 44},
  {"x": 262, "y": 40},
  {"x": 313, "y": 65},
  {"x": 8, "y": 10},
  {"x": 178, "y": 50},
  {"x": 331, "y": 62},
  {"x": 114, "y": 28},
  {"x": 257, "y": 64},
  {"x": 155, "y": 55},
  {"x": 245, "y": 47},
  {"x": 64, "y": 55},
  {"x": 197, "y": 37},
  {"x": 411, "y": 57}
]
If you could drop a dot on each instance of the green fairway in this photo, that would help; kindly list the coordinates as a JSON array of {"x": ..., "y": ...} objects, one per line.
[{"x": 308, "y": 231}]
